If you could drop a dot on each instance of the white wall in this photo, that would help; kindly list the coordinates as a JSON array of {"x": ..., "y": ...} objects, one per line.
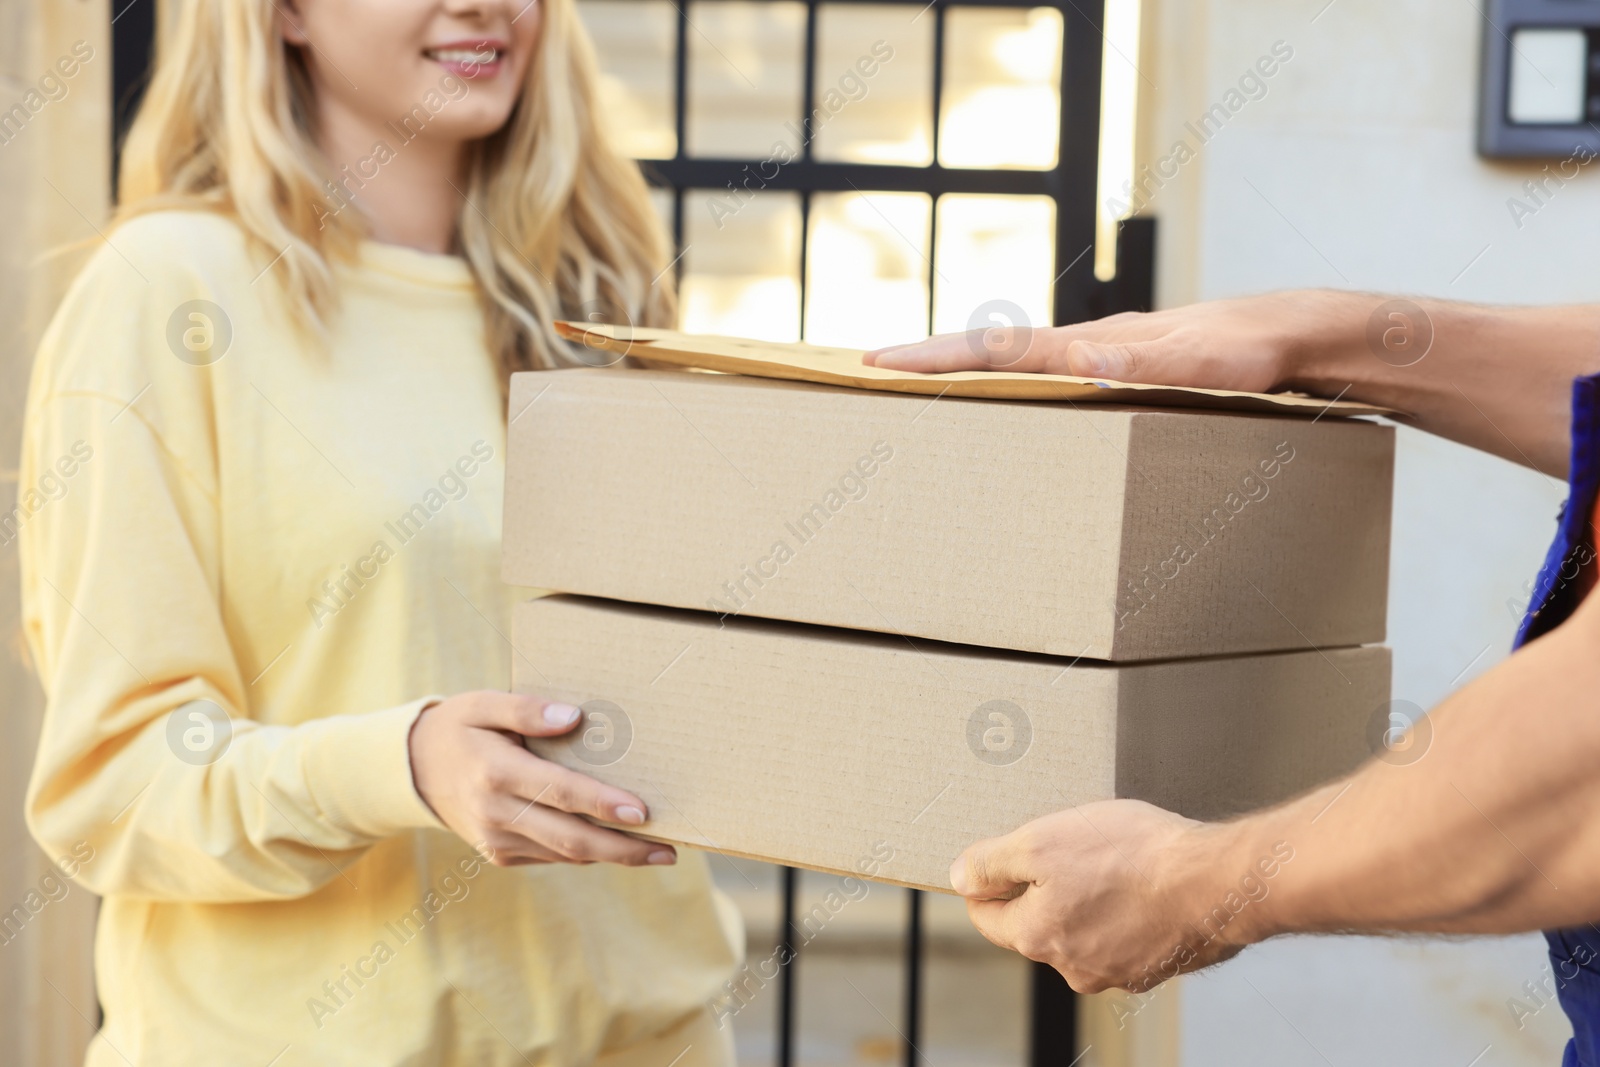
[{"x": 1364, "y": 145}]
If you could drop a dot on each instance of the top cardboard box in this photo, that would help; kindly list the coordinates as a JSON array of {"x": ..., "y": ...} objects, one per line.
[{"x": 1099, "y": 531}]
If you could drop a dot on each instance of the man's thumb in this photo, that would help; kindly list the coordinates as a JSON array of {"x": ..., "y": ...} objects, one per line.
[{"x": 989, "y": 870}]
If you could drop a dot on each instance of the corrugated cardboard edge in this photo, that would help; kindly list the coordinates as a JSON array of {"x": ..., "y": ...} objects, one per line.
[
  {"x": 1362, "y": 490},
  {"x": 733, "y": 853},
  {"x": 843, "y": 367},
  {"x": 693, "y": 503},
  {"x": 1366, "y": 665}
]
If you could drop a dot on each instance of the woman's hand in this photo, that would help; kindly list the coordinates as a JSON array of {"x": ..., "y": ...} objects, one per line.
[
  {"x": 1247, "y": 344},
  {"x": 470, "y": 766}
]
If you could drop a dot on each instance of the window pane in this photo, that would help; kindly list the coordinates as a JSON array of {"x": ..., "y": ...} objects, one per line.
[
  {"x": 745, "y": 60},
  {"x": 1002, "y": 88},
  {"x": 867, "y": 269},
  {"x": 850, "y": 974},
  {"x": 741, "y": 265},
  {"x": 993, "y": 248},
  {"x": 756, "y": 889},
  {"x": 976, "y": 996},
  {"x": 872, "y": 86},
  {"x": 637, "y": 42},
  {"x": 662, "y": 200}
]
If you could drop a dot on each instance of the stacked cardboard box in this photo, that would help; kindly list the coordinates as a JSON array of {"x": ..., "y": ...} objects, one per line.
[{"x": 857, "y": 631}]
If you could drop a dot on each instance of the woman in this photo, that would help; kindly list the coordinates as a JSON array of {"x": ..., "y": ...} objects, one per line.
[{"x": 265, "y": 601}]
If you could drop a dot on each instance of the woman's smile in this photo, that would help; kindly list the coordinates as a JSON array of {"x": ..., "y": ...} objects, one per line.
[{"x": 470, "y": 59}]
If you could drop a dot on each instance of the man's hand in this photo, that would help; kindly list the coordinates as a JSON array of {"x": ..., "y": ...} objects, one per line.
[
  {"x": 1245, "y": 344},
  {"x": 1493, "y": 828},
  {"x": 1499, "y": 379},
  {"x": 1116, "y": 894}
]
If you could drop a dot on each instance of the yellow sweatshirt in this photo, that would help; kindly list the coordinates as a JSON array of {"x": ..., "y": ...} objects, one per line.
[{"x": 245, "y": 566}]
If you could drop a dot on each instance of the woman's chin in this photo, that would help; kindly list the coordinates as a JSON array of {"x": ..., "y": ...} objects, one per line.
[{"x": 462, "y": 127}]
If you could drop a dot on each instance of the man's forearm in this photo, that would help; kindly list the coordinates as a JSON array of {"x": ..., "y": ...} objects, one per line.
[
  {"x": 1495, "y": 829},
  {"x": 1495, "y": 378}
]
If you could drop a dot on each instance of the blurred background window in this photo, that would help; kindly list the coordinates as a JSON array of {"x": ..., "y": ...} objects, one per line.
[
  {"x": 988, "y": 245},
  {"x": 741, "y": 272},
  {"x": 640, "y": 65},
  {"x": 862, "y": 174},
  {"x": 744, "y": 75},
  {"x": 867, "y": 173},
  {"x": 890, "y": 117},
  {"x": 1002, "y": 101},
  {"x": 867, "y": 271}
]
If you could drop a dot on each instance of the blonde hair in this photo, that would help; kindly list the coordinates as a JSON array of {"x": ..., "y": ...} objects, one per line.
[{"x": 555, "y": 222}]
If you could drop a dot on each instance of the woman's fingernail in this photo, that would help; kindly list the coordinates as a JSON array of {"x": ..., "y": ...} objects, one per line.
[
  {"x": 662, "y": 858},
  {"x": 630, "y": 814},
  {"x": 561, "y": 714}
]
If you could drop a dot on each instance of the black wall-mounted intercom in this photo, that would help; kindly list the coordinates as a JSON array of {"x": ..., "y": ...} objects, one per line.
[{"x": 1539, "y": 84}]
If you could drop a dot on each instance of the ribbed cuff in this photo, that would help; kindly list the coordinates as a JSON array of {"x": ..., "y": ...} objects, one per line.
[{"x": 358, "y": 768}]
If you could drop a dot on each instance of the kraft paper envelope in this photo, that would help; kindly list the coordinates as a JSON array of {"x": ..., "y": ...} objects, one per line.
[{"x": 843, "y": 366}]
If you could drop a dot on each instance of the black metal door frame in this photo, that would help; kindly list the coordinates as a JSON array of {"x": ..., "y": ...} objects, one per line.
[{"x": 1079, "y": 296}]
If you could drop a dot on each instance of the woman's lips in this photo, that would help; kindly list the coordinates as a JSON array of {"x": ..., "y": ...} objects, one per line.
[{"x": 481, "y": 61}]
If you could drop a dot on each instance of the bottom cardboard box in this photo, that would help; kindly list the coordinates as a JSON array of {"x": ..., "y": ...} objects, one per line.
[{"x": 875, "y": 756}]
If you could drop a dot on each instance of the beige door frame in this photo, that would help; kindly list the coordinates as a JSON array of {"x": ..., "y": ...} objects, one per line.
[{"x": 54, "y": 191}]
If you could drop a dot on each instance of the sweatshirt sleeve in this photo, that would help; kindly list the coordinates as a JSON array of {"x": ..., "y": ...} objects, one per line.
[{"x": 149, "y": 760}]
